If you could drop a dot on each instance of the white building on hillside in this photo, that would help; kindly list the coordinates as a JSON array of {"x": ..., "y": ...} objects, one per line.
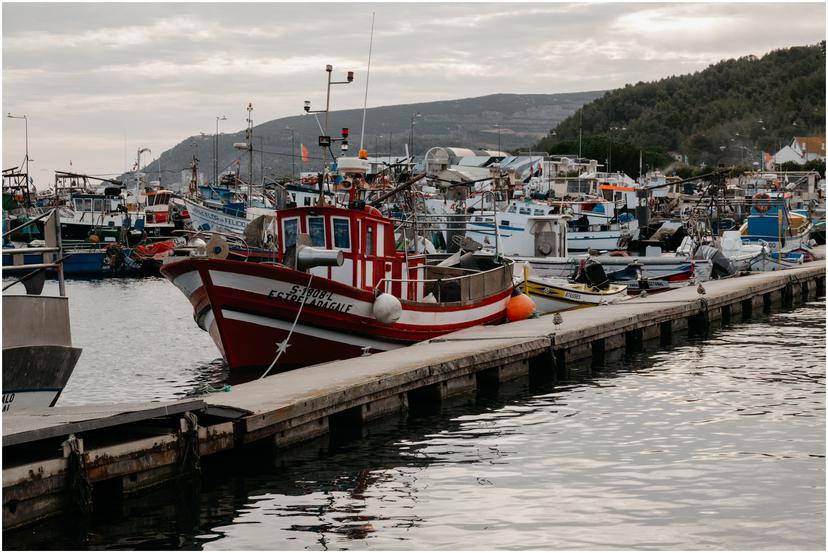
[{"x": 802, "y": 150}]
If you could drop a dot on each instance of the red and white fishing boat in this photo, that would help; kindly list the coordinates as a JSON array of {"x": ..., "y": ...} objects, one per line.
[{"x": 340, "y": 290}]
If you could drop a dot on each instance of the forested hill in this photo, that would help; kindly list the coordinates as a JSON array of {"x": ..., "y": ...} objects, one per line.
[{"x": 727, "y": 113}]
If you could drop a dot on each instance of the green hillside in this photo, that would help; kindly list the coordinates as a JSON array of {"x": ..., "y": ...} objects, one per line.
[{"x": 728, "y": 113}]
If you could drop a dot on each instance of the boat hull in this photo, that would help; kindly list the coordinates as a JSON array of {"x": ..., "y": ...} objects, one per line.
[
  {"x": 34, "y": 376},
  {"x": 204, "y": 218},
  {"x": 551, "y": 297},
  {"x": 249, "y": 310}
]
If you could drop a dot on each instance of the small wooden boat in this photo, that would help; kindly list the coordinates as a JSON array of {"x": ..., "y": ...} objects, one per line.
[{"x": 552, "y": 295}]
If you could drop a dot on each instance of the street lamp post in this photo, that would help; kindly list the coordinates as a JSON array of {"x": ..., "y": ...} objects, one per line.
[
  {"x": 411, "y": 135},
  {"x": 26, "y": 124},
  {"x": 216, "y": 149},
  {"x": 138, "y": 167}
]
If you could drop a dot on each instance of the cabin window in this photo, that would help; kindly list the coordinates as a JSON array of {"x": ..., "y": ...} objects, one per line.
[
  {"x": 489, "y": 220},
  {"x": 369, "y": 241},
  {"x": 512, "y": 209},
  {"x": 525, "y": 211},
  {"x": 78, "y": 204},
  {"x": 290, "y": 228},
  {"x": 504, "y": 222},
  {"x": 341, "y": 233},
  {"x": 538, "y": 212},
  {"x": 316, "y": 229},
  {"x": 307, "y": 201},
  {"x": 87, "y": 204},
  {"x": 98, "y": 205}
]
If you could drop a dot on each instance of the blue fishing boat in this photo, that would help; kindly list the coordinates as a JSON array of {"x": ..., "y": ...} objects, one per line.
[{"x": 770, "y": 223}]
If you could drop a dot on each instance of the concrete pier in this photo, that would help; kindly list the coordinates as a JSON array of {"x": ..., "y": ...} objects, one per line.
[{"x": 71, "y": 459}]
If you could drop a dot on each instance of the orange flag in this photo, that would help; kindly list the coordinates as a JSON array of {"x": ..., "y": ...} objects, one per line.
[{"x": 304, "y": 152}]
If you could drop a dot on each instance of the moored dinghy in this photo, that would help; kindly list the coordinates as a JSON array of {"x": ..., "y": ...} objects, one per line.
[{"x": 552, "y": 295}]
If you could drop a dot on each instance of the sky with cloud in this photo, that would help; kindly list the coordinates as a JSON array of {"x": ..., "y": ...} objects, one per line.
[{"x": 96, "y": 80}]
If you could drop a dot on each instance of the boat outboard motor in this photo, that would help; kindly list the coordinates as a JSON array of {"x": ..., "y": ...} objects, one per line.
[
  {"x": 592, "y": 272},
  {"x": 596, "y": 276},
  {"x": 722, "y": 266},
  {"x": 673, "y": 241}
]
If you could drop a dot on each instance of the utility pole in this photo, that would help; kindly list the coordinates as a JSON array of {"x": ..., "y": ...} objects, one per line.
[
  {"x": 292, "y": 154},
  {"x": 26, "y": 125},
  {"x": 216, "y": 149}
]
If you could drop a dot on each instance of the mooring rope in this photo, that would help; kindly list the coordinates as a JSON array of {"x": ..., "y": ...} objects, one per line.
[
  {"x": 80, "y": 488},
  {"x": 283, "y": 347},
  {"x": 189, "y": 453}
]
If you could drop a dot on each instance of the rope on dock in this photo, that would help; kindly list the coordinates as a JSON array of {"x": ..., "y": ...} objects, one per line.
[
  {"x": 188, "y": 451},
  {"x": 80, "y": 490}
]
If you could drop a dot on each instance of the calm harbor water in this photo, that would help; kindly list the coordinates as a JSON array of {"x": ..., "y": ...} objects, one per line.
[{"x": 711, "y": 444}]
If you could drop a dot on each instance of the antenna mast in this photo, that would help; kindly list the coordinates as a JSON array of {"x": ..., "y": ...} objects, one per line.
[{"x": 367, "y": 78}]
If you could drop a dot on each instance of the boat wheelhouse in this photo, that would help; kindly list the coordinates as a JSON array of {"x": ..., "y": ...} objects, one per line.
[
  {"x": 593, "y": 225},
  {"x": 158, "y": 219},
  {"x": 97, "y": 211}
]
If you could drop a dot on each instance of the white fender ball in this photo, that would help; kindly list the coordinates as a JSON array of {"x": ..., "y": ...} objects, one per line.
[{"x": 387, "y": 309}]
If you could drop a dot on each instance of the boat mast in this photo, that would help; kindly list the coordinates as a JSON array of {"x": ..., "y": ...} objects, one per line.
[
  {"x": 367, "y": 78},
  {"x": 194, "y": 177},
  {"x": 325, "y": 138},
  {"x": 249, "y": 136}
]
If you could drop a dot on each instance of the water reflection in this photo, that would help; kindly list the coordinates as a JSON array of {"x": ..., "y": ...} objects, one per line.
[{"x": 716, "y": 444}]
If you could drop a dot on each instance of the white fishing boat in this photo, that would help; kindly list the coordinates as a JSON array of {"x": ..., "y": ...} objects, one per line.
[
  {"x": 38, "y": 356},
  {"x": 592, "y": 226}
]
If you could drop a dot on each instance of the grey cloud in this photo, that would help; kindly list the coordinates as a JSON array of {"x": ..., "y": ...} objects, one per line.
[{"x": 86, "y": 74}]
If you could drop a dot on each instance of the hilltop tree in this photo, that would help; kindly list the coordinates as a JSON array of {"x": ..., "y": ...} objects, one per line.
[{"x": 727, "y": 113}]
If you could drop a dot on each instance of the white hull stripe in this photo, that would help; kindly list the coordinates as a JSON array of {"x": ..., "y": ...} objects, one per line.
[
  {"x": 549, "y": 305},
  {"x": 316, "y": 332},
  {"x": 263, "y": 286},
  {"x": 188, "y": 283},
  {"x": 30, "y": 399}
]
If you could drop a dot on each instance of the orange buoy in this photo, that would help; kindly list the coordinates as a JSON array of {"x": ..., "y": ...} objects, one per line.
[
  {"x": 373, "y": 211},
  {"x": 519, "y": 307},
  {"x": 762, "y": 202}
]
